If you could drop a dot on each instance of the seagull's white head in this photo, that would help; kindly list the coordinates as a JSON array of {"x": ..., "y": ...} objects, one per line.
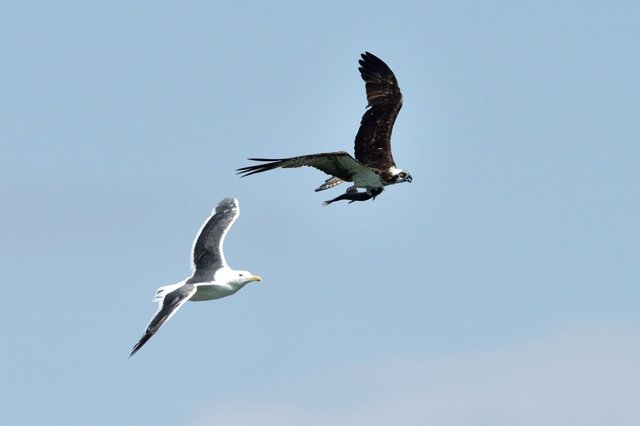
[
  {"x": 245, "y": 277},
  {"x": 236, "y": 279}
]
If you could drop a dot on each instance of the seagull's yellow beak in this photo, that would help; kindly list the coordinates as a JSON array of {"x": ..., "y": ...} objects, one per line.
[{"x": 256, "y": 278}]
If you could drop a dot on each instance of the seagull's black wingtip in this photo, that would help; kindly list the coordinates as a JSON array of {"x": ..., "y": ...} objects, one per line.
[{"x": 144, "y": 339}]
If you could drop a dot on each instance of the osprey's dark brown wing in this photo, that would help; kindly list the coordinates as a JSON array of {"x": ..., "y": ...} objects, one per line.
[
  {"x": 339, "y": 164},
  {"x": 373, "y": 141}
]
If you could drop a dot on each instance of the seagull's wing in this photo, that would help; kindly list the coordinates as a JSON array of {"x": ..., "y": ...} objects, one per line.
[
  {"x": 168, "y": 306},
  {"x": 208, "y": 254},
  {"x": 339, "y": 164},
  {"x": 373, "y": 141}
]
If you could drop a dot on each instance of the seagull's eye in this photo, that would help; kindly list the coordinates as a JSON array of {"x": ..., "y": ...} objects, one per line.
[{"x": 242, "y": 275}]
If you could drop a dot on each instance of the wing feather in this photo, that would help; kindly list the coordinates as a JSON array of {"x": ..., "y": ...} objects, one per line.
[
  {"x": 373, "y": 140},
  {"x": 208, "y": 254},
  {"x": 169, "y": 305},
  {"x": 338, "y": 164}
]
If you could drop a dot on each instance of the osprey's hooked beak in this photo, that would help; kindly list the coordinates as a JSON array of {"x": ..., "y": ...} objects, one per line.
[{"x": 408, "y": 178}]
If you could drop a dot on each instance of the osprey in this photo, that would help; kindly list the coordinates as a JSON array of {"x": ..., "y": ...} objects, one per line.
[
  {"x": 211, "y": 278},
  {"x": 373, "y": 167}
]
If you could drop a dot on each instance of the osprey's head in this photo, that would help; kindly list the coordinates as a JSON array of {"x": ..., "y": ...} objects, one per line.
[{"x": 398, "y": 176}]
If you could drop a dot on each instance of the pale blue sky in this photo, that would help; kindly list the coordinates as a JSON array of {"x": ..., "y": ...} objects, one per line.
[{"x": 499, "y": 288}]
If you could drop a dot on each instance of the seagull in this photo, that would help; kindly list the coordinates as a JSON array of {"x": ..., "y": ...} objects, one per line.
[
  {"x": 211, "y": 277},
  {"x": 373, "y": 167}
]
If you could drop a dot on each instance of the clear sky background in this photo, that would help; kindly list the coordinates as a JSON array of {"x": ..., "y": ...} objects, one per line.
[{"x": 499, "y": 288}]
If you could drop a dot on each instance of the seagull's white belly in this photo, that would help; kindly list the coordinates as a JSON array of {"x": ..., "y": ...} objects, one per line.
[{"x": 210, "y": 291}]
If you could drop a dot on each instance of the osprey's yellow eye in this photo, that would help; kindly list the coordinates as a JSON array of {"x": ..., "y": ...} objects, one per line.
[{"x": 402, "y": 174}]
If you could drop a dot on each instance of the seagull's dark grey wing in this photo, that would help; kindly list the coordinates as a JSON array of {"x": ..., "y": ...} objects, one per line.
[
  {"x": 169, "y": 304},
  {"x": 208, "y": 255},
  {"x": 373, "y": 141}
]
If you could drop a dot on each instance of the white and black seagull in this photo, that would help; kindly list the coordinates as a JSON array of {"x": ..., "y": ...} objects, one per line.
[
  {"x": 211, "y": 278},
  {"x": 373, "y": 167}
]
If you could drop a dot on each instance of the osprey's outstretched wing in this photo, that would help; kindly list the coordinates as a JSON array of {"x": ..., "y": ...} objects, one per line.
[
  {"x": 373, "y": 141},
  {"x": 338, "y": 164}
]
